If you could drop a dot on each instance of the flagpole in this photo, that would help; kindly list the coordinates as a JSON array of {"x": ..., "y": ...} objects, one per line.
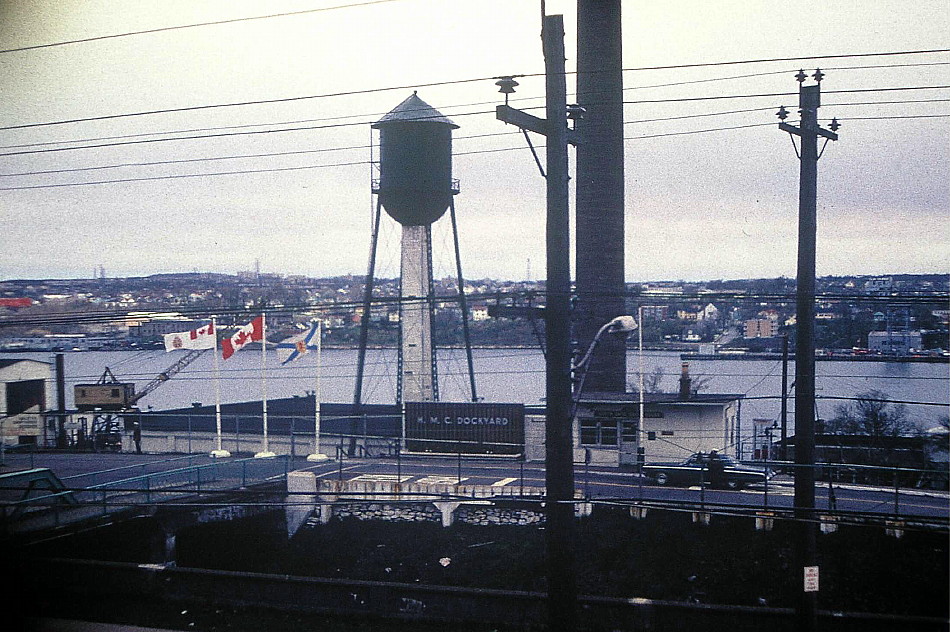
[
  {"x": 219, "y": 451},
  {"x": 317, "y": 455},
  {"x": 266, "y": 451}
]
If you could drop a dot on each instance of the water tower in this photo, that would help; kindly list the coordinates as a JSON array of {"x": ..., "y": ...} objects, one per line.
[{"x": 415, "y": 187}]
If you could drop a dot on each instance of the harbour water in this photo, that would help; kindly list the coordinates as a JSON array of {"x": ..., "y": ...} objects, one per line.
[{"x": 502, "y": 375}]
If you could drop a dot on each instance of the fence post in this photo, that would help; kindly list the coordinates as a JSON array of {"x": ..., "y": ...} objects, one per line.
[
  {"x": 521, "y": 474},
  {"x": 702, "y": 486},
  {"x": 896, "y": 492},
  {"x": 398, "y": 461},
  {"x": 293, "y": 438}
]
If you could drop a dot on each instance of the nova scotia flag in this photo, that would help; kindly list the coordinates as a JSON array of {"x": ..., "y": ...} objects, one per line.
[{"x": 292, "y": 348}]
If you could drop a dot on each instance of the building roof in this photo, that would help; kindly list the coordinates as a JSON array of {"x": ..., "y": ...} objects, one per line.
[
  {"x": 5, "y": 362},
  {"x": 660, "y": 398},
  {"x": 414, "y": 110}
]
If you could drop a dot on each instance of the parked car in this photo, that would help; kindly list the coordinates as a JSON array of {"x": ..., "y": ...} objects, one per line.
[{"x": 701, "y": 468}]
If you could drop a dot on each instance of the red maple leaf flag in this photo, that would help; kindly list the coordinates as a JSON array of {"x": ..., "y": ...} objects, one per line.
[
  {"x": 201, "y": 338},
  {"x": 251, "y": 332}
]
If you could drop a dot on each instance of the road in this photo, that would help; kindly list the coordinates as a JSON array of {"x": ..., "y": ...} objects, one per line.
[
  {"x": 596, "y": 483},
  {"x": 609, "y": 483}
]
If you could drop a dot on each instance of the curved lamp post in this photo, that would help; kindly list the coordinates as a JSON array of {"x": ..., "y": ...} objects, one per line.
[{"x": 619, "y": 325}]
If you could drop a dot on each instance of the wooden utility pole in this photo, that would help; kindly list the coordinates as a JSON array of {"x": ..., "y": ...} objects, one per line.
[
  {"x": 559, "y": 449},
  {"x": 809, "y": 100}
]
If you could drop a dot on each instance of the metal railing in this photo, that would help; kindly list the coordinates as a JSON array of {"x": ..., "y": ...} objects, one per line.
[{"x": 50, "y": 510}]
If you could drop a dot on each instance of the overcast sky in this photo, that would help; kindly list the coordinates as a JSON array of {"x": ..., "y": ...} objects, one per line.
[{"x": 705, "y": 205}]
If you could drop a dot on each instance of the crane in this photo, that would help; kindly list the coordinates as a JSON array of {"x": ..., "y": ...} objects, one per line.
[{"x": 109, "y": 397}]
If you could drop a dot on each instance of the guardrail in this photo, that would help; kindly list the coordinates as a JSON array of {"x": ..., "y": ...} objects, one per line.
[{"x": 100, "y": 499}]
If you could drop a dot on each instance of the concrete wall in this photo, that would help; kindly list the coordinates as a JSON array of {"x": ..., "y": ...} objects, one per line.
[
  {"x": 684, "y": 430},
  {"x": 321, "y": 500}
]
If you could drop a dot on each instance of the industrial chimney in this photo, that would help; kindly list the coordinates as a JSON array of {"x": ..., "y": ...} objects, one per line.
[{"x": 686, "y": 383}]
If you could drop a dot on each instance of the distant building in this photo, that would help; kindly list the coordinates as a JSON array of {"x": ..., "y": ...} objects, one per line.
[
  {"x": 878, "y": 285},
  {"x": 58, "y": 342},
  {"x": 656, "y": 312},
  {"x": 710, "y": 312},
  {"x": 479, "y": 312},
  {"x": 895, "y": 342},
  {"x": 15, "y": 303},
  {"x": 155, "y": 328},
  {"x": 761, "y": 328}
]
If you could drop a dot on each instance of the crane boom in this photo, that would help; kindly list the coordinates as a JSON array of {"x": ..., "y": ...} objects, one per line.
[{"x": 167, "y": 374}]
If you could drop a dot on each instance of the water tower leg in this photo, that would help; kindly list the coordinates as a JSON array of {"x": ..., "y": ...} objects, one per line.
[
  {"x": 414, "y": 316},
  {"x": 364, "y": 326},
  {"x": 463, "y": 304}
]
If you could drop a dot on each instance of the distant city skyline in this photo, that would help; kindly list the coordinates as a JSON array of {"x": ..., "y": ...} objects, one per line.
[{"x": 279, "y": 169}]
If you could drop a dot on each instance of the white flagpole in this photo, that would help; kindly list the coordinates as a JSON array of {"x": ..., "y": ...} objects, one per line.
[
  {"x": 266, "y": 451},
  {"x": 317, "y": 455},
  {"x": 640, "y": 362},
  {"x": 219, "y": 451}
]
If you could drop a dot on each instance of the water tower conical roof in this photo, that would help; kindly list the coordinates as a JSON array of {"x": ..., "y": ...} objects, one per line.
[{"x": 414, "y": 110}]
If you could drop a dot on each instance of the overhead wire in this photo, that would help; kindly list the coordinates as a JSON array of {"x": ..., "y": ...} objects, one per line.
[
  {"x": 377, "y": 114},
  {"x": 366, "y": 162},
  {"x": 459, "y": 138},
  {"x": 439, "y": 83},
  {"x": 98, "y": 38}
]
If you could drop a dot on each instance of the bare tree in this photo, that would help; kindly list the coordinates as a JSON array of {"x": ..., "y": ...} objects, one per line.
[
  {"x": 872, "y": 414},
  {"x": 652, "y": 382}
]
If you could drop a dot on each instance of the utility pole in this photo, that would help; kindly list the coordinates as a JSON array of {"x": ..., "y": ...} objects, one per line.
[
  {"x": 809, "y": 100},
  {"x": 784, "y": 415},
  {"x": 559, "y": 451}
]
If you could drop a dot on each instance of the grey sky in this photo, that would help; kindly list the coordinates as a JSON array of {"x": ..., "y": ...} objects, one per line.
[{"x": 699, "y": 206}]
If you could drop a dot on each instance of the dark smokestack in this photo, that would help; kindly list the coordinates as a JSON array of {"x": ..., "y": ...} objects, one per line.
[
  {"x": 60, "y": 401},
  {"x": 60, "y": 384},
  {"x": 600, "y": 191},
  {"x": 686, "y": 383}
]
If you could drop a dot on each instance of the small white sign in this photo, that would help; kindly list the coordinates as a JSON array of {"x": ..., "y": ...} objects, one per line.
[{"x": 811, "y": 579}]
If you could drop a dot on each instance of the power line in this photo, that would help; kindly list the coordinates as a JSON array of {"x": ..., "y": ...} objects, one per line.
[
  {"x": 444, "y": 83},
  {"x": 351, "y": 116},
  {"x": 366, "y": 162},
  {"x": 190, "y": 26},
  {"x": 780, "y": 94},
  {"x": 355, "y": 147},
  {"x": 364, "y": 123},
  {"x": 778, "y": 59}
]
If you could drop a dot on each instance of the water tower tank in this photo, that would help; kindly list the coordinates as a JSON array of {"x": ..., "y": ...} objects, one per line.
[{"x": 415, "y": 162}]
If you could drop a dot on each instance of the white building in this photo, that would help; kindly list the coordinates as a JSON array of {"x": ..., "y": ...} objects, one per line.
[
  {"x": 23, "y": 399},
  {"x": 895, "y": 342},
  {"x": 607, "y": 426}
]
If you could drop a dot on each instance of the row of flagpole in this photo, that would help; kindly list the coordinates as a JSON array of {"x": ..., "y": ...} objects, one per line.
[{"x": 206, "y": 337}]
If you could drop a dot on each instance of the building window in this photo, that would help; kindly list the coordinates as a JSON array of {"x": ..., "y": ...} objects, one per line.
[{"x": 598, "y": 432}]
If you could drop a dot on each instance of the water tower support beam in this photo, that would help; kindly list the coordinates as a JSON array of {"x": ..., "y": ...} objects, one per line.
[
  {"x": 463, "y": 303},
  {"x": 367, "y": 305}
]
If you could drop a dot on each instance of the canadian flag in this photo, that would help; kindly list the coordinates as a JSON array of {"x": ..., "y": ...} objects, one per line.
[
  {"x": 201, "y": 338},
  {"x": 251, "y": 332}
]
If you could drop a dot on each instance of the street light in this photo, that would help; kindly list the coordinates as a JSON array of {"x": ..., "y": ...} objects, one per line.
[{"x": 619, "y": 325}]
